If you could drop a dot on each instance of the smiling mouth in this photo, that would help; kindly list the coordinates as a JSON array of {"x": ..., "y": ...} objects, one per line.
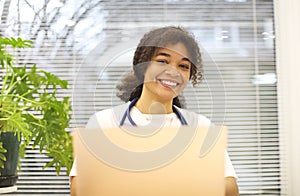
[{"x": 168, "y": 83}]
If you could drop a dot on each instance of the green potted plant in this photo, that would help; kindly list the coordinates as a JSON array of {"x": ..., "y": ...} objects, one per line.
[{"x": 31, "y": 112}]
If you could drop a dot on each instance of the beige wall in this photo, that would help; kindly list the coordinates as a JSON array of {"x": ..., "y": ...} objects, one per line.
[{"x": 287, "y": 17}]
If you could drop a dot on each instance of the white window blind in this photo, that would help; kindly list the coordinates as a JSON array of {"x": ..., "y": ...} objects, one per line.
[{"x": 91, "y": 42}]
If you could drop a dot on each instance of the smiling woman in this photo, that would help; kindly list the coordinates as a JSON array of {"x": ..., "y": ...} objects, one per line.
[
  {"x": 166, "y": 76},
  {"x": 155, "y": 47},
  {"x": 164, "y": 62}
]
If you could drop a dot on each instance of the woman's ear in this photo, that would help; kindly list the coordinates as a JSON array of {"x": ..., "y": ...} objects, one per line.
[{"x": 140, "y": 70}]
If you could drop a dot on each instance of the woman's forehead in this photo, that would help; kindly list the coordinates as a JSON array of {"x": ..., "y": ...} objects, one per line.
[{"x": 177, "y": 48}]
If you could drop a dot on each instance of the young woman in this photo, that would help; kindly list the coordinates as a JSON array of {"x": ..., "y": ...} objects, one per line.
[{"x": 165, "y": 60}]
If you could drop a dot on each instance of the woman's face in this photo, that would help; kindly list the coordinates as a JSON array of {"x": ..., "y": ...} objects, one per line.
[{"x": 168, "y": 73}]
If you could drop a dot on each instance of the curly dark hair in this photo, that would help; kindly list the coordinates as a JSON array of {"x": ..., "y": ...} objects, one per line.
[{"x": 131, "y": 86}]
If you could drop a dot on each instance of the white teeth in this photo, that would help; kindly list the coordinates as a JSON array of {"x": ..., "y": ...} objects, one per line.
[{"x": 169, "y": 83}]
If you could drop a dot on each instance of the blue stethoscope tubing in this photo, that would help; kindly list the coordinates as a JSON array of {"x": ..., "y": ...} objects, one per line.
[{"x": 133, "y": 102}]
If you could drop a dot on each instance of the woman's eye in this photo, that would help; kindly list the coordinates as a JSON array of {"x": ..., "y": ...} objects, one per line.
[
  {"x": 162, "y": 61},
  {"x": 184, "y": 66}
]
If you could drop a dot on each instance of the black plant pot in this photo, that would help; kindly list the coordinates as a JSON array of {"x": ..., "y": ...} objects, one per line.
[{"x": 8, "y": 174}]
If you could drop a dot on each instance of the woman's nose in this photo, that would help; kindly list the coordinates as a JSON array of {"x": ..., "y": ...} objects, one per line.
[{"x": 172, "y": 71}]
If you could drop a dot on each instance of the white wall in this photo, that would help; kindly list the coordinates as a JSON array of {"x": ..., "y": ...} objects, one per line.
[{"x": 287, "y": 26}]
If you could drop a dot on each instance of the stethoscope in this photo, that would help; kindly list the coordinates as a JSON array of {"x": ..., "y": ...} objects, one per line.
[{"x": 133, "y": 102}]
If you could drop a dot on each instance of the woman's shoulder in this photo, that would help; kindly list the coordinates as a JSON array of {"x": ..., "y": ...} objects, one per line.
[
  {"x": 194, "y": 118},
  {"x": 107, "y": 117}
]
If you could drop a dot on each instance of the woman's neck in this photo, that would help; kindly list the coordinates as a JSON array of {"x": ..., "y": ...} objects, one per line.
[{"x": 147, "y": 105}]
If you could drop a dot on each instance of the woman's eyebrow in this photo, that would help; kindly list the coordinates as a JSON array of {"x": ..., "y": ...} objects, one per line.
[
  {"x": 168, "y": 55},
  {"x": 186, "y": 59},
  {"x": 163, "y": 54}
]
